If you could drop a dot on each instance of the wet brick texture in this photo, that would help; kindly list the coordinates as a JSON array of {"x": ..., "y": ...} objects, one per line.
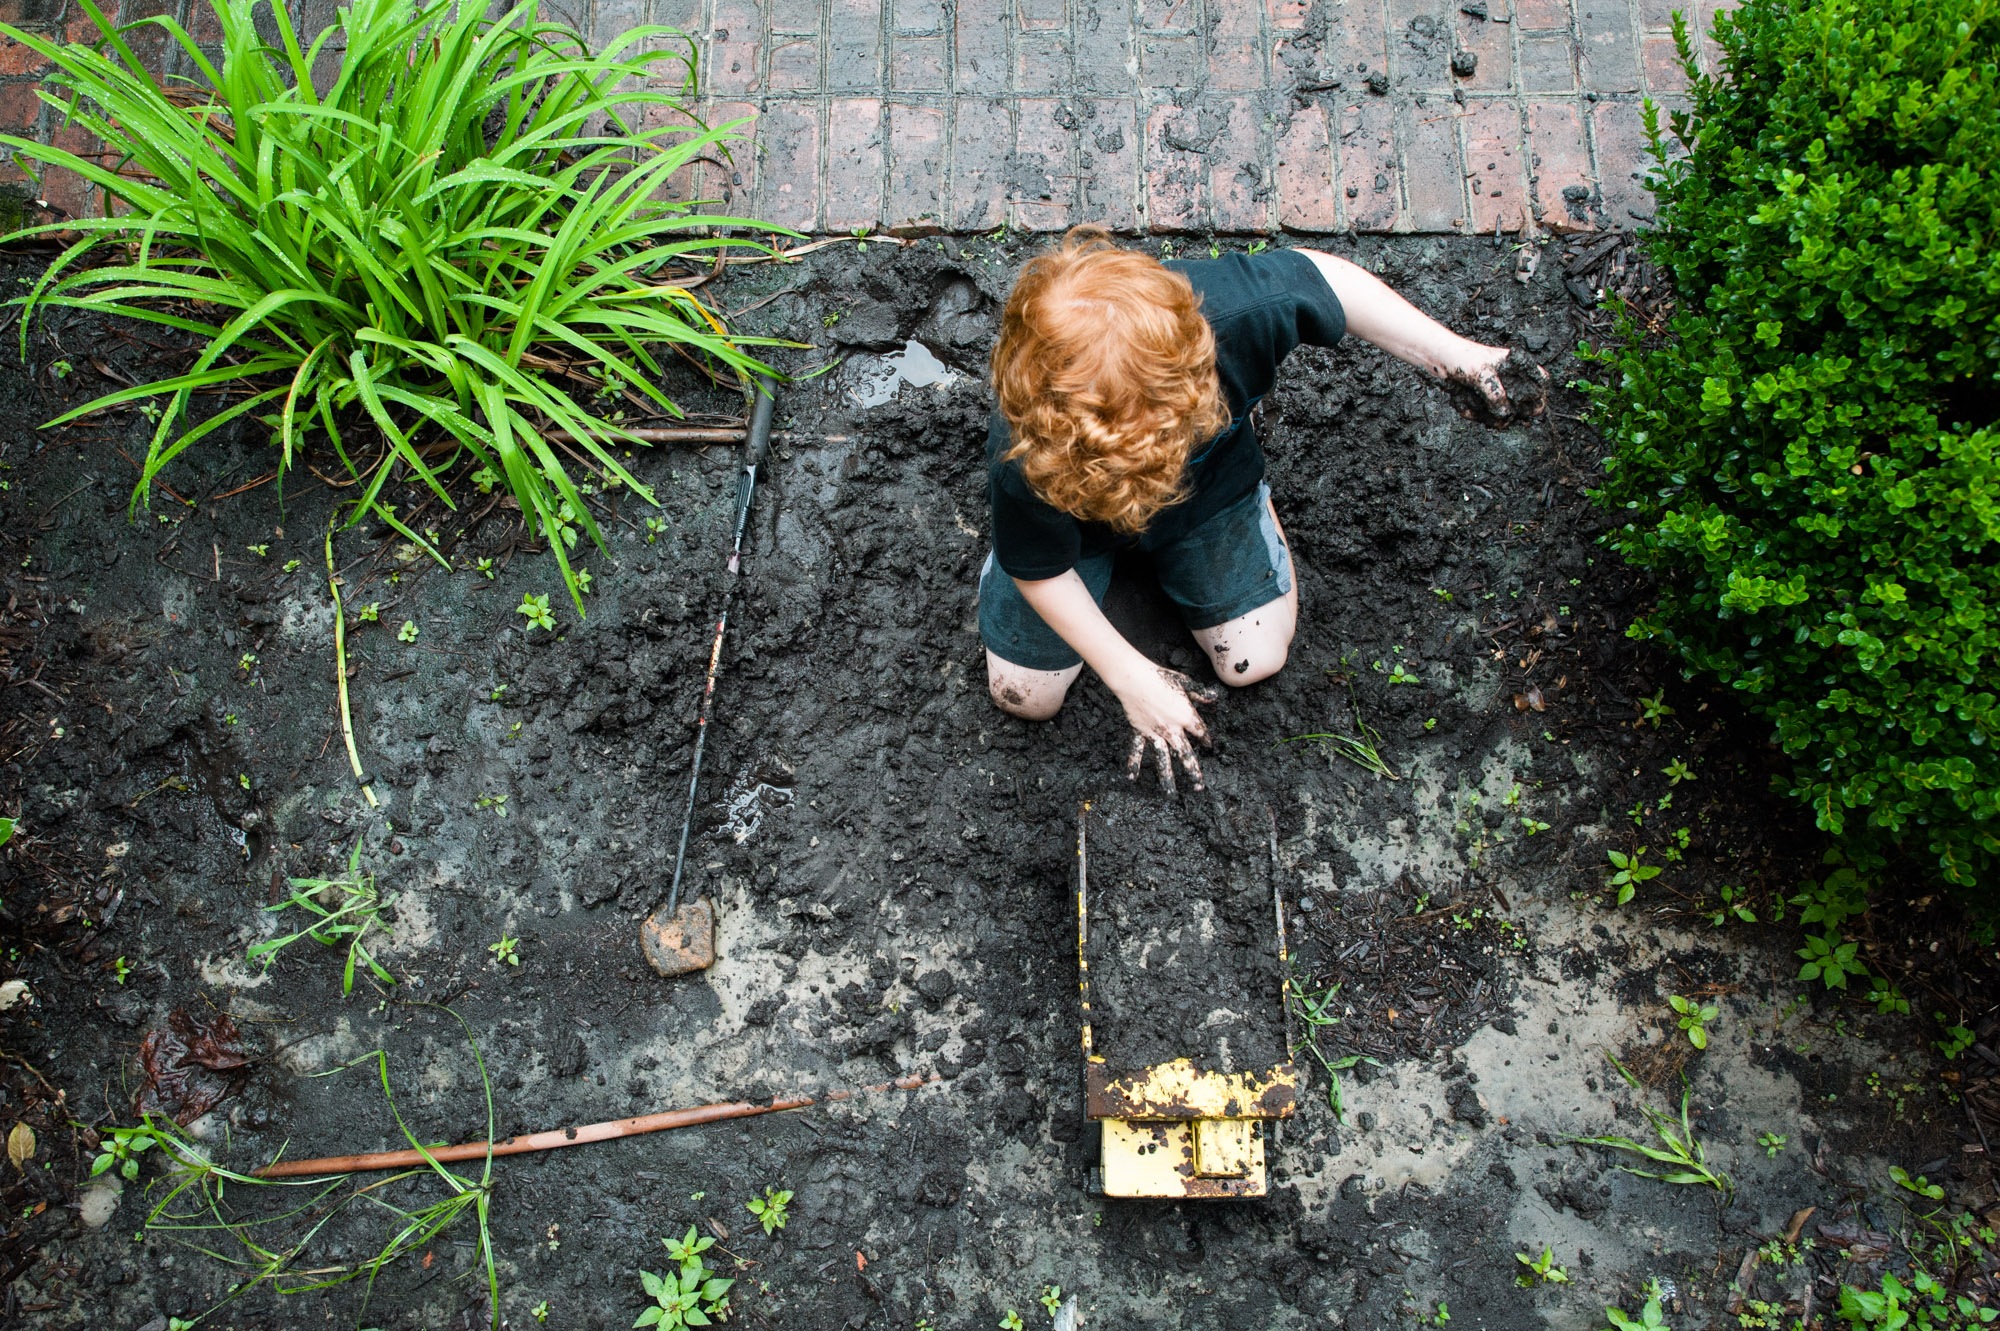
[{"x": 1168, "y": 116}]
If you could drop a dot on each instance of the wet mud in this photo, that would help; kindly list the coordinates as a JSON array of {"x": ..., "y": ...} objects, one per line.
[
  {"x": 1183, "y": 938},
  {"x": 892, "y": 864}
]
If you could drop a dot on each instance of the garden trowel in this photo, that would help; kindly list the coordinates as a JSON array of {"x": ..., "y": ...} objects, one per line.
[{"x": 679, "y": 939}]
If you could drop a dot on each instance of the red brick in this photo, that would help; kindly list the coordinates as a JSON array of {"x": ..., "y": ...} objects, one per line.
[
  {"x": 81, "y": 30},
  {"x": 854, "y": 46},
  {"x": 204, "y": 25},
  {"x": 733, "y": 62},
  {"x": 1606, "y": 54},
  {"x": 1419, "y": 66},
  {"x": 1548, "y": 64},
  {"x": 1623, "y": 162},
  {"x": 1173, "y": 177},
  {"x": 18, "y": 58},
  {"x": 788, "y": 165},
  {"x": 853, "y": 190},
  {"x": 1303, "y": 173},
  {"x": 1170, "y": 16},
  {"x": 1530, "y": 15},
  {"x": 70, "y": 192},
  {"x": 1560, "y": 160},
  {"x": 982, "y": 134},
  {"x": 1496, "y": 160},
  {"x": 1108, "y": 164},
  {"x": 1493, "y": 43},
  {"x": 1040, "y": 14},
  {"x": 916, "y": 64},
  {"x": 1171, "y": 62},
  {"x": 728, "y": 178},
  {"x": 1432, "y": 176},
  {"x": 1238, "y": 199},
  {"x": 1236, "y": 47},
  {"x": 1664, "y": 74},
  {"x": 1043, "y": 62},
  {"x": 1368, "y": 166},
  {"x": 918, "y": 15},
  {"x": 1044, "y": 178},
  {"x": 1287, "y": 14},
  {"x": 1711, "y": 49},
  {"x": 1659, "y": 14},
  {"x": 681, "y": 15},
  {"x": 790, "y": 15},
  {"x": 1360, "y": 38},
  {"x": 982, "y": 49},
  {"x": 1104, "y": 51},
  {"x": 19, "y": 109},
  {"x": 916, "y": 167},
  {"x": 795, "y": 67},
  {"x": 687, "y": 183}
]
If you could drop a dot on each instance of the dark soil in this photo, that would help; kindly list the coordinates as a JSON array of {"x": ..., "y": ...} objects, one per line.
[
  {"x": 892, "y": 861},
  {"x": 1183, "y": 938}
]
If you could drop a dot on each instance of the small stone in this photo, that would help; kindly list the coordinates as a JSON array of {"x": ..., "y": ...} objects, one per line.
[{"x": 1465, "y": 64}]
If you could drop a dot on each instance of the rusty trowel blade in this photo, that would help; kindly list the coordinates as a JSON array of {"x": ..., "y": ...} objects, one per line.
[{"x": 681, "y": 942}]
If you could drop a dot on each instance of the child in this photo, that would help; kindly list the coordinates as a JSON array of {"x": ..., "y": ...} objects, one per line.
[{"x": 1125, "y": 387}]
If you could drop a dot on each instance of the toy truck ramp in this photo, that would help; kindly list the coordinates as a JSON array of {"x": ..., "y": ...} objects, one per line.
[{"x": 1182, "y": 967}]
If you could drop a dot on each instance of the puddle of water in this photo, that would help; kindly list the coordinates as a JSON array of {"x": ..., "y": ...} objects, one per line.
[{"x": 880, "y": 378}]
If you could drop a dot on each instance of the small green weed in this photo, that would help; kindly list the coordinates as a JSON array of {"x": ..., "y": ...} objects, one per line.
[
  {"x": 503, "y": 951},
  {"x": 1694, "y": 1018},
  {"x": 1051, "y": 1299},
  {"x": 1541, "y": 1270},
  {"x": 123, "y": 1148},
  {"x": 1920, "y": 1185},
  {"x": 770, "y": 1208},
  {"x": 409, "y": 631},
  {"x": 347, "y": 909},
  {"x": 1654, "y": 709},
  {"x": 1773, "y": 1142},
  {"x": 1630, "y": 872},
  {"x": 1649, "y": 1319},
  {"x": 1678, "y": 1146},
  {"x": 536, "y": 608},
  {"x": 1010, "y": 1321},
  {"x": 689, "y": 1295}
]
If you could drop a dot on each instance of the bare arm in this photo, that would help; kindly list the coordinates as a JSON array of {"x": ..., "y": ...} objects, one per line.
[
  {"x": 1159, "y": 703},
  {"x": 1376, "y": 314}
]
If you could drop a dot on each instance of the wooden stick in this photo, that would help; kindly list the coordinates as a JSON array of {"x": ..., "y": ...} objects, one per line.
[{"x": 549, "y": 1141}]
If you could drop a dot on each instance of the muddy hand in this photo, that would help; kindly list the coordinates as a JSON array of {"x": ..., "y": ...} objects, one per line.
[
  {"x": 1482, "y": 375},
  {"x": 1161, "y": 712}
]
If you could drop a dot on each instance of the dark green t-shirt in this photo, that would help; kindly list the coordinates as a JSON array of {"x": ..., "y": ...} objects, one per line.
[{"x": 1260, "y": 306}]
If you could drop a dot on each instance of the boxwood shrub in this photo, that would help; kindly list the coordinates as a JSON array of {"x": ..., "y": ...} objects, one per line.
[{"x": 1805, "y": 459}]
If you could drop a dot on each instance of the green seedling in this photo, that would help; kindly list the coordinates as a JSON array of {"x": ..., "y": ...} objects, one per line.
[
  {"x": 409, "y": 631},
  {"x": 292, "y": 565},
  {"x": 1678, "y": 1148},
  {"x": 540, "y": 1312},
  {"x": 1957, "y": 1039},
  {"x": 1678, "y": 771},
  {"x": 1888, "y": 998},
  {"x": 536, "y": 608},
  {"x": 1051, "y": 1299},
  {"x": 259, "y": 550},
  {"x": 123, "y": 1148},
  {"x": 1829, "y": 959},
  {"x": 1402, "y": 674},
  {"x": 1731, "y": 906},
  {"x": 1652, "y": 710},
  {"x": 1541, "y": 1270},
  {"x": 1437, "y": 1318},
  {"x": 485, "y": 478},
  {"x": 1924, "y": 1304},
  {"x": 1630, "y": 872},
  {"x": 1364, "y": 752},
  {"x": 503, "y": 951},
  {"x": 494, "y": 696},
  {"x": 1695, "y": 1017},
  {"x": 1773, "y": 1143},
  {"x": 369, "y": 613},
  {"x": 1649, "y": 1319},
  {"x": 345, "y": 911},
  {"x": 1920, "y": 1185},
  {"x": 121, "y": 969},
  {"x": 1010, "y": 1321},
  {"x": 583, "y": 579},
  {"x": 485, "y": 566},
  {"x": 770, "y": 1209},
  {"x": 245, "y": 661},
  {"x": 655, "y": 529},
  {"x": 497, "y": 803},
  {"x": 1533, "y": 826},
  {"x": 689, "y": 1295}
]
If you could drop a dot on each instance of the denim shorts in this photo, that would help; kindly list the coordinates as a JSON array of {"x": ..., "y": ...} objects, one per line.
[{"x": 1225, "y": 568}]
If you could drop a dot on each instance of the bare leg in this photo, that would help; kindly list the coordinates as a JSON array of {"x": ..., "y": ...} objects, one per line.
[
  {"x": 1253, "y": 646},
  {"x": 1032, "y": 695}
]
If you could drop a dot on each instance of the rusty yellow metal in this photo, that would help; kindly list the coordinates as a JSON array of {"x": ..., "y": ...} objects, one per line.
[
  {"x": 1180, "y": 1090},
  {"x": 1221, "y": 1147},
  {"x": 1158, "y": 1160}
]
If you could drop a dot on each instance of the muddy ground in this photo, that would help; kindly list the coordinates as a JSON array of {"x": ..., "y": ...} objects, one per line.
[{"x": 892, "y": 861}]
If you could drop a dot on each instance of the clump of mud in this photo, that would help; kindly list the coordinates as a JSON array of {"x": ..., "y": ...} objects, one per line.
[
  {"x": 1183, "y": 943},
  {"x": 1527, "y": 387}
]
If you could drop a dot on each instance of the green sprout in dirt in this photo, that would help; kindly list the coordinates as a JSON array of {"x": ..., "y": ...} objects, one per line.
[
  {"x": 1541, "y": 1270},
  {"x": 689, "y": 1295},
  {"x": 540, "y": 1312},
  {"x": 536, "y": 608},
  {"x": 370, "y": 613},
  {"x": 1010, "y": 1321},
  {"x": 1630, "y": 872},
  {"x": 1731, "y": 905},
  {"x": 1678, "y": 771},
  {"x": 346, "y": 910},
  {"x": 1772, "y": 1142},
  {"x": 1313, "y": 1010},
  {"x": 462, "y": 211},
  {"x": 1654, "y": 709},
  {"x": 1679, "y": 1148},
  {"x": 770, "y": 1209},
  {"x": 1694, "y": 1018},
  {"x": 121, "y": 970},
  {"x": 1533, "y": 826},
  {"x": 1438, "y": 1318},
  {"x": 1363, "y": 748},
  {"x": 503, "y": 951},
  {"x": 1830, "y": 959},
  {"x": 409, "y": 631},
  {"x": 1649, "y": 1318},
  {"x": 1957, "y": 1039},
  {"x": 200, "y": 1209},
  {"x": 1051, "y": 1299},
  {"x": 1920, "y": 1185},
  {"x": 123, "y": 1148},
  {"x": 497, "y": 803}
]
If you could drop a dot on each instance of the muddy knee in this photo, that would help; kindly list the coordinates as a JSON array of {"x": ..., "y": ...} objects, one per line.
[
  {"x": 1241, "y": 668},
  {"x": 1016, "y": 697}
]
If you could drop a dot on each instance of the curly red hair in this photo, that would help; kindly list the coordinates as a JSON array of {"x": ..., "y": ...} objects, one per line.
[{"x": 1105, "y": 370}]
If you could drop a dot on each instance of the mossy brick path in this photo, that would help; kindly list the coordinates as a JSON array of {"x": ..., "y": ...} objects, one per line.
[{"x": 1168, "y": 116}]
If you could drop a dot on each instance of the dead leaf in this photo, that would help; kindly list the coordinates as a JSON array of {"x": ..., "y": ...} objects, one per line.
[
  {"x": 715, "y": 1226},
  {"x": 429, "y": 1257},
  {"x": 1530, "y": 701},
  {"x": 21, "y": 1146},
  {"x": 860, "y": 1262},
  {"x": 1799, "y": 1219},
  {"x": 191, "y": 1066}
]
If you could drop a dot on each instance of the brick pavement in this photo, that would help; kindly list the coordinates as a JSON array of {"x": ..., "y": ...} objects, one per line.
[{"x": 1167, "y": 116}]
